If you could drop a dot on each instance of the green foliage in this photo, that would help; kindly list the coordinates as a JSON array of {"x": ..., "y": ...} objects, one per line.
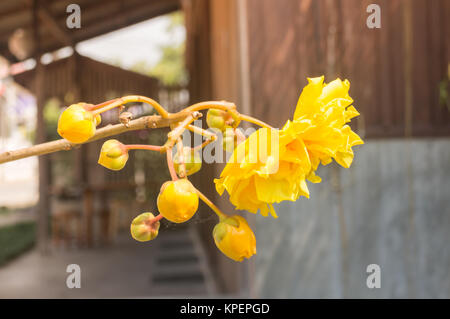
[
  {"x": 4, "y": 210},
  {"x": 170, "y": 69},
  {"x": 176, "y": 20},
  {"x": 16, "y": 239}
]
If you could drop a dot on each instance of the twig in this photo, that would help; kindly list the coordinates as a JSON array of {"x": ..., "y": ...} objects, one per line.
[
  {"x": 146, "y": 122},
  {"x": 250, "y": 119}
]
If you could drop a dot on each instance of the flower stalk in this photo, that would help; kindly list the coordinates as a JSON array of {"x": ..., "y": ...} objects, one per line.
[
  {"x": 182, "y": 171},
  {"x": 211, "y": 205},
  {"x": 103, "y": 107},
  {"x": 250, "y": 119},
  {"x": 211, "y": 137},
  {"x": 144, "y": 147},
  {"x": 173, "y": 173}
]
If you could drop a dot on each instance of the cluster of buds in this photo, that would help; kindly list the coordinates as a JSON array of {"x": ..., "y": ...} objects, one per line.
[
  {"x": 317, "y": 133},
  {"x": 225, "y": 123},
  {"x": 178, "y": 199},
  {"x": 273, "y": 165}
]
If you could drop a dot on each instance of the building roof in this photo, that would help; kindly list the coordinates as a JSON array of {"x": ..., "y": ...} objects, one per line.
[{"x": 97, "y": 17}]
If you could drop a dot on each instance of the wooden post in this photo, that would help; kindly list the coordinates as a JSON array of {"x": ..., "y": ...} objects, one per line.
[
  {"x": 248, "y": 277},
  {"x": 75, "y": 87},
  {"x": 80, "y": 157},
  {"x": 44, "y": 164},
  {"x": 43, "y": 208}
]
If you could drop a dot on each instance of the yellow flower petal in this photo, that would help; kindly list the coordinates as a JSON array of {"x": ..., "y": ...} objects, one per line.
[{"x": 307, "y": 101}]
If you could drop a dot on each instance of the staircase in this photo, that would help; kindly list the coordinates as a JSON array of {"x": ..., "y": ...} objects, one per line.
[{"x": 180, "y": 266}]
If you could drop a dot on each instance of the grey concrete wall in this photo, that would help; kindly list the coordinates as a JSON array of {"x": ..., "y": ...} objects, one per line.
[{"x": 391, "y": 208}]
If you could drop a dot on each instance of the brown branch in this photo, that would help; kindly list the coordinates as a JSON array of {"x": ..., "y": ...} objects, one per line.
[{"x": 146, "y": 122}]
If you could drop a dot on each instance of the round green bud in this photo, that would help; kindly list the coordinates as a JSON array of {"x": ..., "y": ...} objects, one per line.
[
  {"x": 192, "y": 161},
  {"x": 218, "y": 119},
  {"x": 143, "y": 228},
  {"x": 113, "y": 155}
]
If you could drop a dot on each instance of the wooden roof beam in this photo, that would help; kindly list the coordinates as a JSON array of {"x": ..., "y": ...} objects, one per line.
[
  {"x": 50, "y": 23},
  {"x": 132, "y": 15},
  {"x": 96, "y": 27}
]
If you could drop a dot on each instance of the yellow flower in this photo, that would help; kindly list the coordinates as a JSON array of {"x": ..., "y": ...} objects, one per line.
[
  {"x": 321, "y": 117},
  {"x": 317, "y": 134},
  {"x": 113, "y": 155},
  {"x": 177, "y": 200},
  {"x": 235, "y": 238},
  {"x": 76, "y": 124},
  {"x": 143, "y": 229}
]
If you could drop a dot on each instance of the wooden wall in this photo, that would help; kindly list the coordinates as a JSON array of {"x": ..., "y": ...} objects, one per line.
[
  {"x": 394, "y": 71},
  {"x": 293, "y": 39}
]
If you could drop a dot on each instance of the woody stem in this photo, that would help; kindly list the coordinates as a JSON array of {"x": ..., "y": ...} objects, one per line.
[
  {"x": 100, "y": 105},
  {"x": 216, "y": 209},
  {"x": 211, "y": 136},
  {"x": 254, "y": 121},
  {"x": 143, "y": 147},
  {"x": 173, "y": 174},
  {"x": 181, "y": 158},
  {"x": 223, "y": 105},
  {"x": 132, "y": 98}
]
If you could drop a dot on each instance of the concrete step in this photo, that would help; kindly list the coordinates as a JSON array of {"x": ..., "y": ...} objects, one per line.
[
  {"x": 180, "y": 267},
  {"x": 176, "y": 270},
  {"x": 178, "y": 289}
]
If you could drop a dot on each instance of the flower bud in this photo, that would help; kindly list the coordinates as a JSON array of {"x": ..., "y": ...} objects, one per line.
[
  {"x": 98, "y": 119},
  {"x": 177, "y": 201},
  {"x": 113, "y": 155},
  {"x": 76, "y": 124},
  {"x": 229, "y": 140},
  {"x": 191, "y": 159},
  {"x": 143, "y": 228},
  {"x": 218, "y": 119},
  {"x": 235, "y": 238}
]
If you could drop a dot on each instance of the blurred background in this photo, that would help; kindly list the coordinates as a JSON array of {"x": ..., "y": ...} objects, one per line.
[{"x": 391, "y": 208}]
